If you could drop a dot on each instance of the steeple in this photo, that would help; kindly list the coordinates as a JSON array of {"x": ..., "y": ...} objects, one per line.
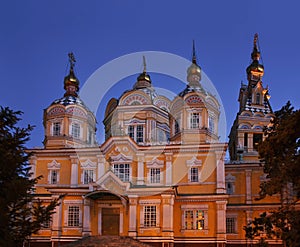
[
  {"x": 71, "y": 83},
  {"x": 255, "y": 70},
  {"x": 143, "y": 80},
  {"x": 194, "y": 71}
]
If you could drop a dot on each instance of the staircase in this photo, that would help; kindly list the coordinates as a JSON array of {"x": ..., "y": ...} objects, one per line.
[{"x": 106, "y": 241}]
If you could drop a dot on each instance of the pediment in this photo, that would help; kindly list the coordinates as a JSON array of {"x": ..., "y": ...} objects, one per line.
[
  {"x": 121, "y": 158},
  {"x": 53, "y": 165},
  {"x": 230, "y": 178},
  {"x": 109, "y": 181},
  {"x": 88, "y": 164},
  {"x": 194, "y": 162},
  {"x": 155, "y": 163}
]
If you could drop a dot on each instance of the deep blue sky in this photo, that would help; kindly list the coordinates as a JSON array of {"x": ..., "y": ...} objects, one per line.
[{"x": 37, "y": 35}]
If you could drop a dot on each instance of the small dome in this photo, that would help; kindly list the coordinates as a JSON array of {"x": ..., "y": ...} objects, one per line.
[{"x": 70, "y": 100}]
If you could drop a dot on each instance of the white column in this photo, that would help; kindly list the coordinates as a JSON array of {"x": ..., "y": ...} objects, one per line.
[
  {"x": 248, "y": 187},
  {"x": 169, "y": 168},
  {"x": 221, "y": 220},
  {"x": 140, "y": 172},
  {"x": 57, "y": 219},
  {"x": 220, "y": 173},
  {"x": 132, "y": 215},
  {"x": 168, "y": 203},
  {"x": 101, "y": 166},
  {"x": 86, "y": 218},
  {"x": 74, "y": 172}
]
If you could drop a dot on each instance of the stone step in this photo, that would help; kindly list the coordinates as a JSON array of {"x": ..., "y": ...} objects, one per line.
[{"x": 106, "y": 241}]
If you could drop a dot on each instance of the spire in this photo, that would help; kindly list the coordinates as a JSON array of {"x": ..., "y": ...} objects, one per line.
[
  {"x": 194, "y": 71},
  {"x": 71, "y": 83},
  {"x": 143, "y": 80},
  {"x": 194, "y": 59},
  {"x": 255, "y": 55},
  {"x": 255, "y": 70}
]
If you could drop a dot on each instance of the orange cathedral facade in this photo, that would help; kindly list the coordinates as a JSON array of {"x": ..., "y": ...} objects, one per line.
[{"x": 160, "y": 175}]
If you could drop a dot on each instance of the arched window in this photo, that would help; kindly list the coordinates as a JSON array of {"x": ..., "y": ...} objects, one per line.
[{"x": 257, "y": 98}]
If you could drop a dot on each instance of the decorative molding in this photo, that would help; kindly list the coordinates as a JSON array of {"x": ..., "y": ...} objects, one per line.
[
  {"x": 155, "y": 163},
  {"x": 54, "y": 165},
  {"x": 194, "y": 162},
  {"x": 88, "y": 164}
]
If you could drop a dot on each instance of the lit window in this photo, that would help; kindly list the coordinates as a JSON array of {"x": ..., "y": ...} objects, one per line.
[
  {"x": 154, "y": 175},
  {"x": 88, "y": 176},
  {"x": 73, "y": 216},
  {"x": 194, "y": 120},
  {"x": 257, "y": 138},
  {"x": 56, "y": 129},
  {"x": 150, "y": 216},
  {"x": 231, "y": 225},
  {"x": 122, "y": 171},
  {"x": 53, "y": 176},
  {"x": 194, "y": 219},
  {"x": 194, "y": 174},
  {"x": 76, "y": 130}
]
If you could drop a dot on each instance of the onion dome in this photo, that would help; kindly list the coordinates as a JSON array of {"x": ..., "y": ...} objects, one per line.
[
  {"x": 193, "y": 76},
  {"x": 143, "y": 80},
  {"x": 255, "y": 67},
  {"x": 71, "y": 83}
]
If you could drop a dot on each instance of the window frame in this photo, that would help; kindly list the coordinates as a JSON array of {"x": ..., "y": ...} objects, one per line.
[
  {"x": 195, "y": 120},
  {"x": 73, "y": 218},
  {"x": 195, "y": 219},
  {"x": 232, "y": 222},
  {"x": 126, "y": 170},
  {"x": 56, "y": 128},
  {"x": 76, "y": 130}
]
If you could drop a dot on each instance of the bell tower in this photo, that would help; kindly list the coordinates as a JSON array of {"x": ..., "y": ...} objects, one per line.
[{"x": 254, "y": 111}]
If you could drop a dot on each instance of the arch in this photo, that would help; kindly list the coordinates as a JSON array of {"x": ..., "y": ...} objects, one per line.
[
  {"x": 134, "y": 98},
  {"x": 111, "y": 105},
  {"x": 55, "y": 110},
  {"x": 244, "y": 126},
  {"x": 247, "y": 114}
]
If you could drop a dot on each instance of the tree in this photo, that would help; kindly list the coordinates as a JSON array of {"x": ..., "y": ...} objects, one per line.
[
  {"x": 280, "y": 156},
  {"x": 20, "y": 214}
]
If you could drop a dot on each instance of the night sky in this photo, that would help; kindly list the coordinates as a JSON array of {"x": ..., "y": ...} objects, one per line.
[{"x": 36, "y": 37}]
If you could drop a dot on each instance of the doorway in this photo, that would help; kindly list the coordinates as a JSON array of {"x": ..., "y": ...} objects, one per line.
[{"x": 110, "y": 221}]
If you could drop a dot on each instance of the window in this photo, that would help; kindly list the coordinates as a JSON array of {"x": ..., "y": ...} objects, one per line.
[
  {"x": 230, "y": 225},
  {"x": 245, "y": 140},
  {"x": 139, "y": 133},
  {"x": 229, "y": 188},
  {"x": 177, "y": 125},
  {"x": 73, "y": 216},
  {"x": 53, "y": 176},
  {"x": 257, "y": 138},
  {"x": 194, "y": 219},
  {"x": 88, "y": 176},
  {"x": 257, "y": 99},
  {"x": 194, "y": 174},
  {"x": 76, "y": 130},
  {"x": 90, "y": 138},
  {"x": 154, "y": 175},
  {"x": 150, "y": 216},
  {"x": 122, "y": 171},
  {"x": 194, "y": 120},
  {"x": 56, "y": 129},
  {"x": 162, "y": 136},
  {"x": 46, "y": 224},
  {"x": 136, "y": 132},
  {"x": 131, "y": 131},
  {"x": 211, "y": 124}
]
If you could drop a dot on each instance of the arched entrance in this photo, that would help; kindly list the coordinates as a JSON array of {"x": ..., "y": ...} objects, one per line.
[{"x": 110, "y": 210}]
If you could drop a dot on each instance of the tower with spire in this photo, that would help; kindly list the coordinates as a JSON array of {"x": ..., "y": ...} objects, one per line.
[
  {"x": 254, "y": 111},
  {"x": 67, "y": 121},
  {"x": 194, "y": 112}
]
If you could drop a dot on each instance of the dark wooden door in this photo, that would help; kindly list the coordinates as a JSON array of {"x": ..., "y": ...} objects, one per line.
[{"x": 110, "y": 221}]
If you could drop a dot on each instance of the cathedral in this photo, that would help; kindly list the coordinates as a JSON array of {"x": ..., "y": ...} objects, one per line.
[{"x": 160, "y": 176}]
